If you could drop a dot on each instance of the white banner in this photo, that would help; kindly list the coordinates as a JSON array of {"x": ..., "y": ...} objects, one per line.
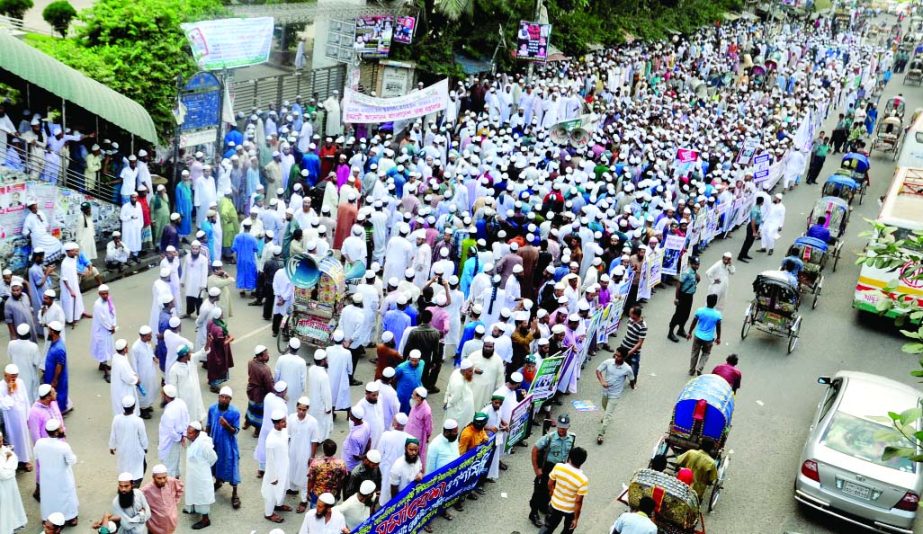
[
  {"x": 229, "y": 43},
  {"x": 363, "y": 109}
]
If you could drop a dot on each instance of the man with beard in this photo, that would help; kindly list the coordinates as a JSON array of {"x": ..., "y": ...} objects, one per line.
[
  {"x": 488, "y": 372},
  {"x": 459, "y": 399},
  {"x": 324, "y": 519},
  {"x": 163, "y": 494},
  {"x": 130, "y": 508},
  {"x": 320, "y": 395},
  {"x": 195, "y": 278},
  {"x": 374, "y": 415},
  {"x": 222, "y": 426},
  {"x": 128, "y": 441},
  {"x": 259, "y": 383},
  {"x": 57, "y": 487},
  {"x": 171, "y": 432},
  {"x": 358, "y": 507},
  {"x": 406, "y": 469},
  {"x": 18, "y": 309},
  {"x": 132, "y": 225}
]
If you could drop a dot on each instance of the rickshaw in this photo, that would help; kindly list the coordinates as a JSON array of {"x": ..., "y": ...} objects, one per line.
[
  {"x": 320, "y": 292},
  {"x": 888, "y": 135},
  {"x": 676, "y": 505},
  {"x": 835, "y": 212},
  {"x": 857, "y": 165},
  {"x": 894, "y": 107},
  {"x": 840, "y": 185},
  {"x": 758, "y": 75},
  {"x": 813, "y": 255},
  {"x": 914, "y": 74},
  {"x": 774, "y": 308}
]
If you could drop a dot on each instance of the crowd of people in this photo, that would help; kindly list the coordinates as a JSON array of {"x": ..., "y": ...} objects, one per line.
[{"x": 487, "y": 246}]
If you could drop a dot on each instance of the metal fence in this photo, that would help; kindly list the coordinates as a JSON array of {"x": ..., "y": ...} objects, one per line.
[
  {"x": 260, "y": 92},
  {"x": 102, "y": 186}
]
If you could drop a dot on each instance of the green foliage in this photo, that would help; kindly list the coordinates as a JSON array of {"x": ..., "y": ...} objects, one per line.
[
  {"x": 15, "y": 8},
  {"x": 136, "y": 47},
  {"x": 59, "y": 15}
]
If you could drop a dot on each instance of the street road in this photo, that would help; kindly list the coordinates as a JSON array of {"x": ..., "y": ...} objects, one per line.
[{"x": 773, "y": 411}]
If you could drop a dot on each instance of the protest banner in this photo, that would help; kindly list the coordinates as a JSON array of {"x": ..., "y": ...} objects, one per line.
[
  {"x": 519, "y": 423},
  {"x": 546, "y": 378},
  {"x": 373, "y": 35},
  {"x": 602, "y": 333},
  {"x": 567, "y": 369},
  {"x": 747, "y": 150},
  {"x": 686, "y": 155},
  {"x": 711, "y": 225},
  {"x": 656, "y": 263},
  {"x": 761, "y": 163},
  {"x": 229, "y": 43},
  {"x": 618, "y": 302},
  {"x": 673, "y": 247},
  {"x": 532, "y": 40},
  {"x": 363, "y": 109},
  {"x": 415, "y": 506}
]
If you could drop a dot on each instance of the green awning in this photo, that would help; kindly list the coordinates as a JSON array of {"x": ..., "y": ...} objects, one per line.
[{"x": 38, "y": 68}]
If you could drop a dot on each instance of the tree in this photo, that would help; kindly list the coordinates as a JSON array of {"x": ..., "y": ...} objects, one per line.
[
  {"x": 59, "y": 15},
  {"x": 891, "y": 253},
  {"x": 15, "y": 8}
]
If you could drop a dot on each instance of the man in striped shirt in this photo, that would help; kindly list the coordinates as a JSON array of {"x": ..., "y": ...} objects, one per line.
[
  {"x": 568, "y": 485},
  {"x": 633, "y": 340}
]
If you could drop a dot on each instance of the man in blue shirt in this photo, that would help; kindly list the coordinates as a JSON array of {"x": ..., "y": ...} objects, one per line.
[
  {"x": 706, "y": 329},
  {"x": 819, "y": 230}
]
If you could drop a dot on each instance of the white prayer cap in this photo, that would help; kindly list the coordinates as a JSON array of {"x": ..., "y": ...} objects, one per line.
[
  {"x": 214, "y": 291},
  {"x": 358, "y": 412},
  {"x": 558, "y": 329},
  {"x": 521, "y": 316},
  {"x": 259, "y": 349},
  {"x": 338, "y": 335},
  {"x": 195, "y": 425},
  {"x": 479, "y": 329},
  {"x": 102, "y": 288},
  {"x": 125, "y": 477},
  {"x": 516, "y": 377},
  {"x": 52, "y": 424},
  {"x": 171, "y": 248},
  {"x": 320, "y": 355},
  {"x": 174, "y": 216},
  {"x": 368, "y": 487},
  {"x": 542, "y": 312},
  {"x": 278, "y": 414},
  {"x": 542, "y": 342},
  {"x": 440, "y": 299},
  {"x": 166, "y": 298},
  {"x": 217, "y": 263},
  {"x": 280, "y": 386},
  {"x": 401, "y": 418},
  {"x": 11, "y": 369},
  {"x": 164, "y": 272},
  {"x": 371, "y": 387},
  {"x": 50, "y": 293},
  {"x": 409, "y": 273},
  {"x": 304, "y": 401},
  {"x": 22, "y": 329},
  {"x": 120, "y": 344},
  {"x": 56, "y": 518},
  {"x": 128, "y": 401},
  {"x": 116, "y": 234},
  {"x": 327, "y": 498},
  {"x": 385, "y": 337},
  {"x": 145, "y": 330},
  {"x": 450, "y": 424},
  {"x": 583, "y": 305},
  {"x": 294, "y": 343},
  {"x": 7, "y": 272},
  {"x": 415, "y": 354},
  {"x": 421, "y": 391},
  {"x": 159, "y": 469},
  {"x": 573, "y": 317},
  {"x": 388, "y": 372},
  {"x": 44, "y": 389},
  {"x": 728, "y": 255},
  {"x": 174, "y": 322},
  {"x": 373, "y": 456},
  {"x": 17, "y": 282},
  {"x": 170, "y": 391}
]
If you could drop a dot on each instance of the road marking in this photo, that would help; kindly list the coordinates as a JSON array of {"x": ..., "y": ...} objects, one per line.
[
  {"x": 503, "y": 494},
  {"x": 250, "y": 334},
  {"x": 759, "y": 402}
]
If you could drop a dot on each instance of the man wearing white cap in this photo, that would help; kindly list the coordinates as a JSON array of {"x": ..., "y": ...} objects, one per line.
[
  {"x": 132, "y": 224},
  {"x": 35, "y": 227},
  {"x": 195, "y": 277},
  {"x": 773, "y": 220},
  {"x": 304, "y": 438},
  {"x": 15, "y": 402},
  {"x": 293, "y": 370},
  {"x": 459, "y": 399},
  {"x": 25, "y": 354},
  {"x": 101, "y": 335},
  {"x": 283, "y": 294},
  {"x": 719, "y": 278},
  {"x": 124, "y": 379},
  {"x": 12, "y": 513},
  {"x": 420, "y": 419},
  {"x": 222, "y": 426},
  {"x": 54, "y": 524},
  {"x": 320, "y": 394},
  {"x": 205, "y": 315},
  {"x": 117, "y": 254},
  {"x": 399, "y": 256},
  {"x": 163, "y": 494},
  {"x": 160, "y": 290},
  {"x": 275, "y": 478},
  {"x": 50, "y": 311},
  {"x": 172, "y": 341},
  {"x": 172, "y": 429},
  {"x": 185, "y": 377},
  {"x": 172, "y": 262},
  {"x": 58, "y": 489},
  {"x": 339, "y": 369},
  {"x": 391, "y": 447},
  {"x": 374, "y": 413},
  {"x": 387, "y": 396},
  {"x": 325, "y": 519},
  {"x": 141, "y": 356},
  {"x": 357, "y": 507},
  {"x": 71, "y": 298},
  {"x": 130, "y": 507},
  {"x": 128, "y": 440},
  {"x": 200, "y": 489},
  {"x": 274, "y": 401},
  {"x": 488, "y": 372},
  {"x": 222, "y": 280}
]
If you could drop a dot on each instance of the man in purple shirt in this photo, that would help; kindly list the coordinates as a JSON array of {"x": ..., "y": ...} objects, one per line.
[
  {"x": 357, "y": 441},
  {"x": 729, "y": 372}
]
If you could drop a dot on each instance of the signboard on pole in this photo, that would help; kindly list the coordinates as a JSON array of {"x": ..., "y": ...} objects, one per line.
[
  {"x": 373, "y": 35},
  {"x": 363, "y": 109},
  {"x": 201, "y": 102},
  {"x": 229, "y": 43},
  {"x": 532, "y": 40},
  {"x": 519, "y": 423}
]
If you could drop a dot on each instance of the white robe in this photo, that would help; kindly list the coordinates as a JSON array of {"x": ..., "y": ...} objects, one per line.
[
  {"x": 35, "y": 227},
  {"x": 293, "y": 371},
  {"x": 391, "y": 447},
  {"x": 398, "y": 258},
  {"x": 15, "y": 408},
  {"x": 73, "y": 306},
  {"x": 142, "y": 360},
  {"x": 321, "y": 400},
  {"x": 201, "y": 323},
  {"x": 123, "y": 382},
  {"x": 277, "y": 466},
  {"x": 303, "y": 434},
  {"x": 26, "y": 356},
  {"x": 374, "y": 417},
  {"x": 173, "y": 423},
  {"x": 132, "y": 223},
  {"x": 719, "y": 279},
  {"x": 483, "y": 385},
  {"x": 58, "y": 490},
  {"x": 459, "y": 399},
  {"x": 389, "y": 402},
  {"x": 128, "y": 437},
  {"x": 173, "y": 342},
  {"x": 174, "y": 279},
  {"x": 185, "y": 377},
  {"x": 339, "y": 368},
  {"x": 283, "y": 289},
  {"x": 12, "y": 513},
  {"x": 195, "y": 276},
  {"x": 158, "y": 289},
  {"x": 332, "y": 115},
  {"x": 271, "y": 403},
  {"x": 422, "y": 259},
  {"x": 772, "y": 223},
  {"x": 102, "y": 346},
  {"x": 200, "y": 457}
]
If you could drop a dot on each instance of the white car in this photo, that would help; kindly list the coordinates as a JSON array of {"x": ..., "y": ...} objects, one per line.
[{"x": 842, "y": 471}]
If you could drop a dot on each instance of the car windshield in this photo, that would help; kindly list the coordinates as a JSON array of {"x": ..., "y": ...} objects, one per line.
[{"x": 856, "y": 437}]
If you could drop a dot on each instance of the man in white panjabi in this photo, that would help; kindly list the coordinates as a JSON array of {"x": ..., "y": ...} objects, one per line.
[
  {"x": 185, "y": 377},
  {"x": 719, "y": 278},
  {"x": 275, "y": 478},
  {"x": 319, "y": 392},
  {"x": 325, "y": 519},
  {"x": 274, "y": 400},
  {"x": 391, "y": 447},
  {"x": 488, "y": 372},
  {"x": 459, "y": 399},
  {"x": 199, "y": 484},
  {"x": 292, "y": 369},
  {"x": 14, "y": 404},
  {"x": 159, "y": 291},
  {"x": 57, "y": 487},
  {"x": 303, "y": 441},
  {"x": 195, "y": 278},
  {"x": 132, "y": 224},
  {"x": 339, "y": 369},
  {"x": 773, "y": 220},
  {"x": 205, "y": 315},
  {"x": 144, "y": 363},
  {"x": 35, "y": 227},
  {"x": 12, "y": 513},
  {"x": 128, "y": 440},
  {"x": 71, "y": 298},
  {"x": 332, "y": 115},
  {"x": 50, "y": 312},
  {"x": 103, "y": 328},
  {"x": 25, "y": 354},
  {"x": 172, "y": 430},
  {"x": 124, "y": 379}
]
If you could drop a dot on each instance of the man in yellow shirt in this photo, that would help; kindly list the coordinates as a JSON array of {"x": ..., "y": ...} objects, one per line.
[
  {"x": 702, "y": 464},
  {"x": 568, "y": 485}
]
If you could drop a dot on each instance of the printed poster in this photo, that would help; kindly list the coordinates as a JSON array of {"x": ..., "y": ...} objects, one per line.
[
  {"x": 546, "y": 377},
  {"x": 653, "y": 274},
  {"x": 403, "y": 29},
  {"x": 229, "y": 43},
  {"x": 532, "y": 40},
  {"x": 673, "y": 250},
  {"x": 373, "y": 35},
  {"x": 519, "y": 423}
]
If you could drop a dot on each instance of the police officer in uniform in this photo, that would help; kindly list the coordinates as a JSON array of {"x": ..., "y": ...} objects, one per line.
[{"x": 552, "y": 448}]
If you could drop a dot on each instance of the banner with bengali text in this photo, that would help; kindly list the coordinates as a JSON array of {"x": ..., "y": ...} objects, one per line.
[{"x": 363, "y": 109}]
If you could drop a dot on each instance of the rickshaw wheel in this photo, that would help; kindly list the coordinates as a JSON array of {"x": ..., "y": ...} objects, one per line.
[
  {"x": 745, "y": 329},
  {"x": 660, "y": 448},
  {"x": 836, "y": 257},
  {"x": 719, "y": 483},
  {"x": 792, "y": 342},
  {"x": 284, "y": 335}
]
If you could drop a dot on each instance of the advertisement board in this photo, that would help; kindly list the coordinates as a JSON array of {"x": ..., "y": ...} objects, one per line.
[
  {"x": 532, "y": 40},
  {"x": 229, "y": 43},
  {"x": 373, "y": 35}
]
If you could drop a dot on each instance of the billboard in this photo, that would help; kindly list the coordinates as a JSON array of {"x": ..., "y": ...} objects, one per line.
[
  {"x": 403, "y": 29},
  {"x": 229, "y": 43},
  {"x": 373, "y": 35},
  {"x": 532, "y": 40}
]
